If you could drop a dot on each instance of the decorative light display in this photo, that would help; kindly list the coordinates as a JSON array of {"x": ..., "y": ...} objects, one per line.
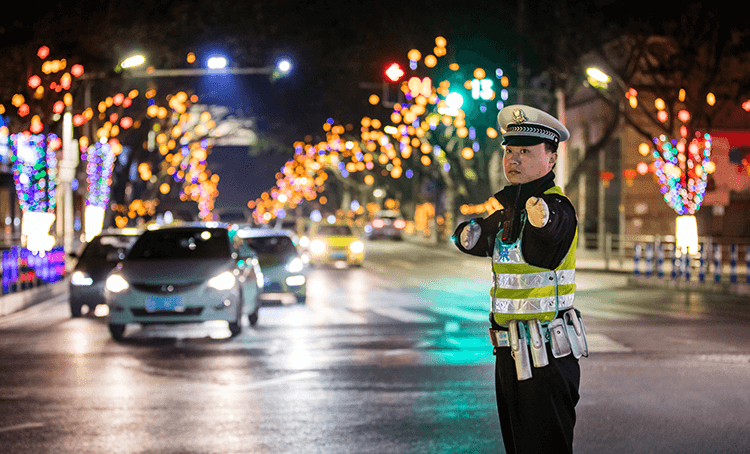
[
  {"x": 99, "y": 166},
  {"x": 681, "y": 169},
  {"x": 34, "y": 170},
  {"x": 385, "y": 151}
]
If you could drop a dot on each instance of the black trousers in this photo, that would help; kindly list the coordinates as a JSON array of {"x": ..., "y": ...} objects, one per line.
[{"x": 537, "y": 415}]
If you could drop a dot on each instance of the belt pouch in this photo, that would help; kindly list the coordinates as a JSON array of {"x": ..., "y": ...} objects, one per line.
[
  {"x": 559, "y": 342},
  {"x": 536, "y": 341},
  {"x": 519, "y": 349}
]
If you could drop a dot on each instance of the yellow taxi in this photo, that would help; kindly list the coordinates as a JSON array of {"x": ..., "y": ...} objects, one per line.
[{"x": 335, "y": 244}]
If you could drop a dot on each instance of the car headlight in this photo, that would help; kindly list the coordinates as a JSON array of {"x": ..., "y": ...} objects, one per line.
[
  {"x": 81, "y": 278},
  {"x": 116, "y": 283},
  {"x": 223, "y": 281},
  {"x": 304, "y": 242},
  {"x": 317, "y": 247},
  {"x": 295, "y": 266},
  {"x": 357, "y": 247}
]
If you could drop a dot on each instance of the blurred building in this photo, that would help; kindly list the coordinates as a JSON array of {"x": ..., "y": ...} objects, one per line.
[{"x": 612, "y": 196}]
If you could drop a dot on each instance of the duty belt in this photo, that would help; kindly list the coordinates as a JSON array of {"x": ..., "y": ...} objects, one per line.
[{"x": 566, "y": 335}]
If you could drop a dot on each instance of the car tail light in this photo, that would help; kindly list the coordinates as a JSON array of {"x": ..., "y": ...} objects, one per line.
[
  {"x": 378, "y": 224},
  {"x": 400, "y": 223}
]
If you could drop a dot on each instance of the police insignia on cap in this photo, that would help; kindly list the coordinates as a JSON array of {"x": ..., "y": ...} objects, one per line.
[
  {"x": 519, "y": 117},
  {"x": 522, "y": 124}
]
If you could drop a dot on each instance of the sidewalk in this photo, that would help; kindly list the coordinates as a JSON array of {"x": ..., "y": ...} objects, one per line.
[
  {"x": 22, "y": 299},
  {"x": 592, "y": 260}
]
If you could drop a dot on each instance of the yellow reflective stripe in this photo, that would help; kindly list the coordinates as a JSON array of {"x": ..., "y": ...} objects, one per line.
[{"x": 527, "y": 293}]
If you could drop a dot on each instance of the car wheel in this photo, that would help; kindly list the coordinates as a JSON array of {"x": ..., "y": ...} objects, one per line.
[
  {"x": 253, "y": 318},
  {"x": 117, "y": 331},
  {"x": 76, "y": 310},
  {"x": 235, "y": 327},
  {"x": 301, "y": 299}
]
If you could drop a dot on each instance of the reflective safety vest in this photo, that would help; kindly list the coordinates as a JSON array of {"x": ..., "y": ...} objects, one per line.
[{"x": 523, "y": 292}]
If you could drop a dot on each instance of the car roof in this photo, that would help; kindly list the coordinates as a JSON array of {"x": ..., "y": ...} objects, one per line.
[
  {"x": 262, "y": 232},
  {"x": 127, "y": 231},
  {"x": 388, "y": 213},
  {"x": 190, "y": 225}
]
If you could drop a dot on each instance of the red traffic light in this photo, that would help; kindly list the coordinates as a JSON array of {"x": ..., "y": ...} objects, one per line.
[{"x": 394, "y": 72}]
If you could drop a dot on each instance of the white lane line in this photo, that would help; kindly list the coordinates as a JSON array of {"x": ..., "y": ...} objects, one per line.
[
  {"x": 402, "y": 315},
  {"x": 306, "y": 375},
  {"x": 26, "y": 425},
  {"x": 600, "y": 343},
  {"x": 468, "y": 314},
  {"x": 404, "y": 264},
  {"x": 307, "y": 315},
  {"x": 332, "y": 315}
]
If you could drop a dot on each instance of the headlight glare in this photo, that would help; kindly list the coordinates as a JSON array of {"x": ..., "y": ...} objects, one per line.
[
  {"x": 116, "y": 283},
  {"x": 295, "y": 265},
  {"x": 317, "y": 247},
  {"x": 81, "y": 278},
  {"x": 223, "y": 281},
  {"x": 357, "y": 247}
]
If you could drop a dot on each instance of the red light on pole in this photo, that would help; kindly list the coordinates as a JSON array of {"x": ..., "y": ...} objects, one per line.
[{"x": 394, "y": 72}]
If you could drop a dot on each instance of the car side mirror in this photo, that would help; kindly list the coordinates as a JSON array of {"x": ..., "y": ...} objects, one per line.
[{"x": 115, "y": 256}]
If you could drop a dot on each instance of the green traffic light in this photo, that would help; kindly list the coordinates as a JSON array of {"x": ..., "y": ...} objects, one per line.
[{"x": 454, "y": 100}]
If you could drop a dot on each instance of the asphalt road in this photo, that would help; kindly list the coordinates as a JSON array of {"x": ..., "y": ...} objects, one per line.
[{"x": 388, "y": 358}]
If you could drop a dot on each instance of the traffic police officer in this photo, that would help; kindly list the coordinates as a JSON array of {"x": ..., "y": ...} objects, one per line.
[{"x": 532, "y": 242}]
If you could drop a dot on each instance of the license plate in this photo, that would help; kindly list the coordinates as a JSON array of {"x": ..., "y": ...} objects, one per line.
[
  {"x": 165, "y": 303},
  {"x": 338, "y": 255}
]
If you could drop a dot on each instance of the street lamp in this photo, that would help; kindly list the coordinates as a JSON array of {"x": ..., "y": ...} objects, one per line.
[
  {"x": 597, "y": 77},
  {"x": 133, "y": 61},
  {"x": 216, "y": 62},
  {"x": 284, "y": 65}
]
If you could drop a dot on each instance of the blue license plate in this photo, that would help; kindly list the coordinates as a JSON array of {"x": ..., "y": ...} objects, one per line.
[
  {"x": 338, "y": 255},
  {"x": 165, "y": 303}
]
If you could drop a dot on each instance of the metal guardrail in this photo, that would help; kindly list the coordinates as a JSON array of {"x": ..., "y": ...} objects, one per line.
[{"x": 718, "y": 259}]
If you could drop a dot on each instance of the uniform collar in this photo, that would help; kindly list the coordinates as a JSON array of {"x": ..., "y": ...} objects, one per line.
[{"x": 510, "y": 196}]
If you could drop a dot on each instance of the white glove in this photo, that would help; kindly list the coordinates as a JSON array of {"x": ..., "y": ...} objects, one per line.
[
  {"x": 537, "y": 211},
  {"x": 470, "y": 235}
]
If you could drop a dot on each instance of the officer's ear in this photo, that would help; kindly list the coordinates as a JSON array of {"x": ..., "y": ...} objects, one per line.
[{"x": 553, "y": 159}]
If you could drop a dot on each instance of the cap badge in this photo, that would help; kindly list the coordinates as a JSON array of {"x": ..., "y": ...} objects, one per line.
[{"x": 519, "y": 117}]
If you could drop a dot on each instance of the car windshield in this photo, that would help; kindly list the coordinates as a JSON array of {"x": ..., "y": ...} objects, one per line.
[
  {"x": 100, "y": 247},
  {"x": 181, "y": 244},
  {"x": 272, "y": 245},
  {"x": 334, "y": 230}
]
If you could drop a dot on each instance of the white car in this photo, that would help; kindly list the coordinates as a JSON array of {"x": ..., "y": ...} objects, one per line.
[{"x": 185, "y": 274}]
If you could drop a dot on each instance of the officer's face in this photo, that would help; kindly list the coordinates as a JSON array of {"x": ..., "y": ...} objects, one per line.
[{"x": 527, "y": 163}]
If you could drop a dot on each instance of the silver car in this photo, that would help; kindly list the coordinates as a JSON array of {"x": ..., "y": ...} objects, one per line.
[
  {"x": 283, "y": 264},
  {"x": 185, "y": 274}
]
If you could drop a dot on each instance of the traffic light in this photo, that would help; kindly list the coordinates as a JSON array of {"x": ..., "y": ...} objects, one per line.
[
  {"x": 482, "y": 89},
  {"x": 394, "y": 72}
]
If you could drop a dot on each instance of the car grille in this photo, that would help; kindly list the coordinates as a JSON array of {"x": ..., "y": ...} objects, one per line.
[
  {"x": 166, "y": 288},
  {"x": 272, "y": 287},
  {"x": 139, "y": 312}
]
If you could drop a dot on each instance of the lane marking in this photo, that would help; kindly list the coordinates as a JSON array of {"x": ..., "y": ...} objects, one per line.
[
  {"x": 402, "y": 315},
  {"x": 306, "y": 375},
  {"x": 27, "y": 425},
  {"x": 404, "y": 264},
  {"x": 601, "y": 343},
  {"x": 468, "y": 314}
]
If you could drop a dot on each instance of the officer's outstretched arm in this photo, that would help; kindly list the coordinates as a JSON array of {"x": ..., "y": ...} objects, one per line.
[{"x": 476, "y": 237}]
